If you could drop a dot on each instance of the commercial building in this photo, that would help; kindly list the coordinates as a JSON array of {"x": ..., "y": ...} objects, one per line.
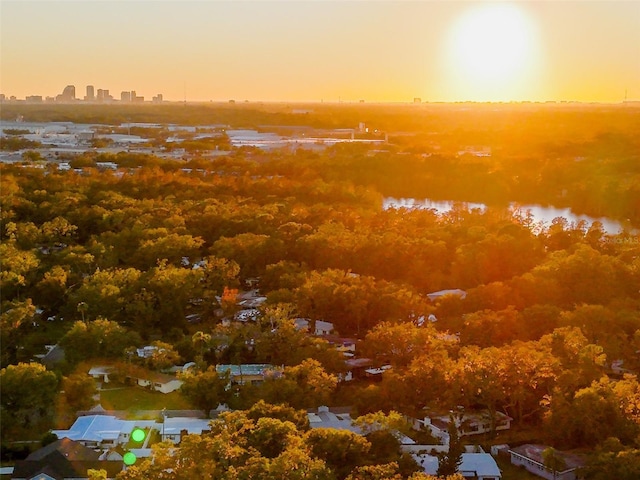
[{"x": 90, "y": 96}]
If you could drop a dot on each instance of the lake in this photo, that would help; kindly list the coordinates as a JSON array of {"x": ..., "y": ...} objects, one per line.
[{"x": 538, "y": 212}]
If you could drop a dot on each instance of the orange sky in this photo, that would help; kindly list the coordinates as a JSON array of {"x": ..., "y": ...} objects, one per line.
[{"x": 319, "y": 50}]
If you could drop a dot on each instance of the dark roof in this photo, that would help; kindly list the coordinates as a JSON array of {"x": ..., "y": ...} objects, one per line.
[
  {"x": 61, "y": 459},
  {"x": 58, "y": 467},
  {"x": 358, "y": 362},
  {"x": 53, "y": 356},
  {"x": 70, "y": 449}
]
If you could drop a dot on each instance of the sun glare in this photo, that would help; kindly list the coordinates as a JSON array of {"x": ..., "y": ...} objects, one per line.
[{"x": 492, "y": 51}]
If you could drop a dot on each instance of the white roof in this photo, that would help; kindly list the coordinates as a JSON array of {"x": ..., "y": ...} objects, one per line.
[
  {"x": 455, "y": 291},
  {"x": 331, "y": 420},
  {"x": 98, "y": 428},
  {"x": 473, "y": 465},
  {"x": 174, "y": 425},
  {"x": 479, "y": 465}
]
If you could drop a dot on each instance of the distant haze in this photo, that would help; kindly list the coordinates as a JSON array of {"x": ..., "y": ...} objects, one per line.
[{"x": 317, "y": 50}]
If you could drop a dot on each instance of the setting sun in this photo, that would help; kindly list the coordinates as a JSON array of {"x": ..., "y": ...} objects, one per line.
[{"x": 492, "y": 50}]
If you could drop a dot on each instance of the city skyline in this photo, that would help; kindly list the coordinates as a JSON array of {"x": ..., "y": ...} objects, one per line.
[{"x": 326, "y": 51}]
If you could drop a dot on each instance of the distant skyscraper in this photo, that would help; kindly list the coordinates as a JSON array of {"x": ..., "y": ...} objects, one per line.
[
  {"x": 103, "y": 96},
  {"x": 125, "y": 96},
  {"x": 90, "y": 94},
  {"x": 68, "y": 94}
]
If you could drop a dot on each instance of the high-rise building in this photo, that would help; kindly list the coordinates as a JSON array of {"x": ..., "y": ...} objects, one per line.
[
  {"x": 68, "y": 94},
  {"x": 125, "y": 96},
  {"x": 157, "y": 98},
  {"x": 103, "y": 96},
  {"x": 90, "y": 97}
]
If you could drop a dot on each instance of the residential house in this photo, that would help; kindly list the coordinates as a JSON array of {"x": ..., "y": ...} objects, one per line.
[
  {"x": 102, "y": 431},
  {"x": 356, "y": 368},
  {"x": 253, "y": 373},
  {"x": 339, "y": 418},
  {"x": 63, "y": 459},
  {"x": 478, "y": 466},
  {"x": 531, "y": 457},
  {"x": 470, "y": 423},
  {"x": 347, "y": 346},
  {"x": 101, "y": 373},
  {"x": 160, "y": 382},
  {"x": 320, "y": 327},
  {"x": 175, "y": 428}
]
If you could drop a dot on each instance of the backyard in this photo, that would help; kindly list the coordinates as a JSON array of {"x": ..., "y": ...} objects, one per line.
[{"x": 135, "y": 398}]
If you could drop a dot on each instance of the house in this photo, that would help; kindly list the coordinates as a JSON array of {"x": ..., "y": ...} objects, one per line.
[
  {"x": 63, "y": 459},
  {"x": 102, "y": 431},
  {"x": 376, "y": 373},
  {"x": 356, "y": 368},
  {"x": 531, "y": 457},
  {"x": 478, "y": 466},
  {"x": 160, "y": 382},
  {"x": 347, "y": 346},
  {"x": 433, "y": 296},
  {"x": 471, "y": 423},
  {"x": 174, "y": 428},
  {"x": 54, "y": 355},
  {"x": 337, "y": 418},
  {"x": 321, "y": 327},
  {"x": 247, "y": 315},
  {"x": 250, "y": 299},
  {"x": 101, "y": 373},
  {"x": 253, "y": 373}
]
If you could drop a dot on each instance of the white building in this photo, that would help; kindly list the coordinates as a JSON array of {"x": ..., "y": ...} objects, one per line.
[
  {"x": 321, "y": 327},
  {"x": 478, "y": 466},
  {"x": 103, "y": 431},
  {"x": 530, "y": 456}
]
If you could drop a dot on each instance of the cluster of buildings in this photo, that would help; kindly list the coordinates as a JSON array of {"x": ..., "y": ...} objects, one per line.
[{"x": 100, "y": 95}]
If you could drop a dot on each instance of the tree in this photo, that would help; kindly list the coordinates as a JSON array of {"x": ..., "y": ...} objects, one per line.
[
  {"x": 553, "y": 460},
  {"x": 341, "y": 450},
  {"x": 206, "y": 390},
  {"x": 97, "y": 339},
  {"x": 28, "y": 391},
  {"x": 82, "y": 309},
  {"x": 449, "y": 462},
  {"x": 262, "y": 409},
  {"x": 235, "y": 449},
  {"x": 618, "y": 462},
  {"x": 162, "y": 356},
  {"x": 201, "y": 340},
  {"x": 304, "y": 385},
  {"x": 94, "y": 474},
  {"x": 14, "y": 315},
  {"x": 78, "y": 390},
  {"x": 594, "y": 413}
]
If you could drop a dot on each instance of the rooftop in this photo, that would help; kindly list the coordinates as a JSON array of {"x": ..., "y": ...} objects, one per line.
[{"x": 534, "y": 452}]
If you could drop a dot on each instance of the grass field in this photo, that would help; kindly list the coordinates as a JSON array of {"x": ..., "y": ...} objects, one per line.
[
  {"x": 512, "y": 472},
  {"x": 136, "y": 398}
]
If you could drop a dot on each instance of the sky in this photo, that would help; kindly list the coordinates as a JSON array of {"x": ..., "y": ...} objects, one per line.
[{"x": 300, "y": 51}]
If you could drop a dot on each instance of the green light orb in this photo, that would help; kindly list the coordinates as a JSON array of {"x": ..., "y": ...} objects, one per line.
[
  {"x": 138, "y": 435},
  {"x": 129, "y": 458}
]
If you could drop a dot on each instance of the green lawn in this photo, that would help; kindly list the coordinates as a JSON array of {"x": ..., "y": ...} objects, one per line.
[
  {"x": 136, "y": 398},
  {"x": 512, "y": 472}
]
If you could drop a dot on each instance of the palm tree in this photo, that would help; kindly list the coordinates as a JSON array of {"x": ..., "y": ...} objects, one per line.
[
  {"x": 82, "y": 308},
  {"x": 202, "y": 339}
]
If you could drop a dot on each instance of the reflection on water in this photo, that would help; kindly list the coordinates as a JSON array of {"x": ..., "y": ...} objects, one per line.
[{"x": 538, "y": 212}]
